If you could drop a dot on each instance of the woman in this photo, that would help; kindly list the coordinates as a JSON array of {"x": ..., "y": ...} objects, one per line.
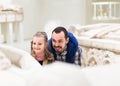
[{"x": 39, "y": 48}]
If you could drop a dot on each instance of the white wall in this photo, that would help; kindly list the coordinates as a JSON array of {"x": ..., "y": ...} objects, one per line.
[
  {"x": 38, "y": 13},
  {"x": 66, "y": 11},
  {"x": 32, "y": 16}
]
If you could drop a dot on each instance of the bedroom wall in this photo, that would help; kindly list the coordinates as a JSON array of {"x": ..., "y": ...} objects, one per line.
[{"x": 39, "y": 13}]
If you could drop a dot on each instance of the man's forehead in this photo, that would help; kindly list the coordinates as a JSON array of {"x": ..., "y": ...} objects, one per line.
[{"x": 61, "y": 34}]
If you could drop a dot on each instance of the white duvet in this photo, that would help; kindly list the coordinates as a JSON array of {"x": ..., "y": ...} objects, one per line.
[{"x": 18, "y": 68}]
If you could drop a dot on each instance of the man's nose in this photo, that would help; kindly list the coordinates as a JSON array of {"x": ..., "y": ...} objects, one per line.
[{"x": 56, "y": 43}]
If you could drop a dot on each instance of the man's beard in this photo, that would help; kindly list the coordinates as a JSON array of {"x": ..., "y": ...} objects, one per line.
[{"x": 59, "y": 47}]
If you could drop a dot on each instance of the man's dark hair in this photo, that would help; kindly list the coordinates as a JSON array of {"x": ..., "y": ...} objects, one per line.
[{"x": 61, "y": 29}]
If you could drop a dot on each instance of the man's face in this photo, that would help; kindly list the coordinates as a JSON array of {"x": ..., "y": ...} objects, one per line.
[{"x": 59, "y": 42}]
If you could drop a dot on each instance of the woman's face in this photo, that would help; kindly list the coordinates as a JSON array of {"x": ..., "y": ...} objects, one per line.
[{"x": 38, "y": 45}]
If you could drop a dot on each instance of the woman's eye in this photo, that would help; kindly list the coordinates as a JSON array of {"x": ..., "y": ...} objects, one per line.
[
  {"x": 39, "y": 43},
  {"x": 34, "y": 43}
]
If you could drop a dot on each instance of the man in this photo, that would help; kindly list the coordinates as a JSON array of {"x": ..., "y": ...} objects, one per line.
[{"x": 64, "y": 46}]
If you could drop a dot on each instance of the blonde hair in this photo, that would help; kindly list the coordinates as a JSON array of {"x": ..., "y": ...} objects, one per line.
[{"x": 48, "y": 55}]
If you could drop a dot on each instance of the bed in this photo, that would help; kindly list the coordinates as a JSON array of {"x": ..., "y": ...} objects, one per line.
[{"x": 100, "y": 43}]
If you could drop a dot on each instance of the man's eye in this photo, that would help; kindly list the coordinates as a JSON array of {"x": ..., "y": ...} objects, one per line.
[
  {"x": 53, "y": 40},
  {"x": 60, "y": 41}
]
